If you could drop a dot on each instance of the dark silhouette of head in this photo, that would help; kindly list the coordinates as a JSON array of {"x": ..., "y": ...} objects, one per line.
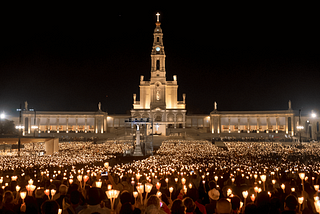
[
  {"x": 290, "y": 203},
  {"x": 49, "y": 207}
]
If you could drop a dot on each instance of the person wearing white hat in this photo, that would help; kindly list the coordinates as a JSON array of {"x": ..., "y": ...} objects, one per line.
[{"x": 214, "y": 196}]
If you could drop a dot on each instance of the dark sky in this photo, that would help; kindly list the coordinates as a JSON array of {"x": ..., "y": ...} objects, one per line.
[{"x": 245, "y": 58}]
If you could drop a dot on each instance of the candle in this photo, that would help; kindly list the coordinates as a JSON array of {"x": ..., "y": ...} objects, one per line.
[
  {"x": 135, "y": 195},
  {"x": 109, "y": 186},
  {"x": 98, "y": 184},
  {"x": 300, "y": 201},
  {"x": 138, "y": 176},
  {"x": 159, "y": 194},
  {"x": 252, "y": 197},
  {"x": 283, "y": 187},
  {"x": 263, "y": 179},
  {"x": 53, "y": 192},
  {"x": 185, "y": 189},
  {"x": 158, "y": 185},
  {"x": 47, "y": 192},
  {"x": 170, "y": 189},
  {"x": 229, "y": 192},
  {"x": 302, "y": 176},
  {"x": 23, "y": 196},
  {"x": 183, "y": 181},
  {"x": 256, "y": 189},
  {"x": 85, "y": 178}
]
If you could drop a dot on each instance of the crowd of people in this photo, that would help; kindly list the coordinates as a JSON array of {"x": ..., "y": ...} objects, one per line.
[{"x": 182, "y": 177}]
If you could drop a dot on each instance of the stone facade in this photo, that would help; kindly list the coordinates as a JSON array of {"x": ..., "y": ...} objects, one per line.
[
  {"x": 158, "y": 101},
  {"x": 159, "y": 97}
]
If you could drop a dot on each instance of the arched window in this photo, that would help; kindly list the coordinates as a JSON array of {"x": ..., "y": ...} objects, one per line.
[{"x": 158, "y": 65}]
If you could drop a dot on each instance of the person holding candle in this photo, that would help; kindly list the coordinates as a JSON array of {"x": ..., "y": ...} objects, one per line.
[
  {"x": 40, "y": 197},
  {"x": 275, "y": 205},
  {"x": 223, "y": 206},
  {"x": 178, "y": 207},
  {"x": 191, "y": 206},
  {"x": 235, "y": 203},
  {"x": 126, "y": 204},
  {"x": 94, "y": 200},
  {"x": 250, "y": 208},
  {"x": 29, "y": 206},
  {"x": 126, "y": 208},
  {"x": 166, "y": 202},
  {"x": 194, "y": 195},
  {"x": 154, "y": 206},
  {"x": 126, "y": 184},
  {"x": 290, "y": 205},
  {"x": 262, "y": 202},
  {"x": 8, "y": 203},
  {"x": 76, "y": 202},
  {"x": 50, "y": 207},
  {"x": 61, "y": 197},
  {"x": 214, "y": 195}
]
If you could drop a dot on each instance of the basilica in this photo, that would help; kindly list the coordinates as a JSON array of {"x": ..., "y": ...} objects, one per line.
[{"x": 160, "y": 112}]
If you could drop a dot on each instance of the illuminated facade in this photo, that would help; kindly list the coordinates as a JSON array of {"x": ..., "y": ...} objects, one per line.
[
  {"x": 280, "y": 121},
  {"x": 159, "y": 97},
  {"x": 158, "y": 101},
  {"x": 63, "y": 122}
]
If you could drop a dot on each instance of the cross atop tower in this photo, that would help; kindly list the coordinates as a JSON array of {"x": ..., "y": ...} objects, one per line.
[{"x": 158, "y": 15}]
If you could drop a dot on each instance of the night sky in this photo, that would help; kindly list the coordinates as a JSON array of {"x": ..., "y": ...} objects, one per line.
[{"x": 243, "y": 58}]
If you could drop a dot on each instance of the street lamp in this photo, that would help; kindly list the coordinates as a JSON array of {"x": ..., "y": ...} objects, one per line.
[
  {"x": 2, "y": 116},
  {"x": 312, "y": 131},
  {"x": 19, "y": 127},
  {"x": 299, "y": 128}
]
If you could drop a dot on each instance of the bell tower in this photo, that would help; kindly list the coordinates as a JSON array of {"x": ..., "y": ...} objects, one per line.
[
  {"x": 159, "y": 97},
  {"x": 158, "y": 71}
]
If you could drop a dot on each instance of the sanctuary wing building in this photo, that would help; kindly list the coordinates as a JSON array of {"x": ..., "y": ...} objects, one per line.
[{"x": 163, "y": 114}]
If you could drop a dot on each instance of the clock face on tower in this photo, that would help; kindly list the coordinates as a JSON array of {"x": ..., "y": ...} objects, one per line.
[{"x": 157, "y": 48}]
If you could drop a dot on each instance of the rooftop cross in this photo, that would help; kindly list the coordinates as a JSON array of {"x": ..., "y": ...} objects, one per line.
[{"x": 158, "y": 14}]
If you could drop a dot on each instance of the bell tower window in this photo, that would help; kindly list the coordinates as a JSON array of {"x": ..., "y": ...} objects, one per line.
[
  {"x": 157, "y": 38},
  {"x": 158, "y": 65}
]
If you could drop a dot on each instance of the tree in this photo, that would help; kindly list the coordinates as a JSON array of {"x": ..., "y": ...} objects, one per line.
[{"x": 7, "y": 127}]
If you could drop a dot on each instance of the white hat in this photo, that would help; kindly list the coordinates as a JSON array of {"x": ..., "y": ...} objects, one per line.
[{"x": 214, "y": 194}]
